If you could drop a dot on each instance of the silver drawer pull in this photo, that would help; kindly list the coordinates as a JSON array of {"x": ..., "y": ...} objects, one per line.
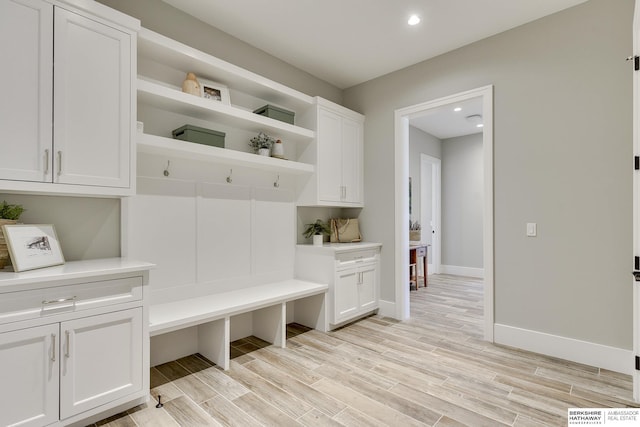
[
  {"x": 67, "y": 351},
  {"x": 59, "y": 301}
]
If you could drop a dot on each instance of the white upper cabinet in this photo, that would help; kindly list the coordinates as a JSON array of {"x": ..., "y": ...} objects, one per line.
[
  {"x": 338, "y": 152},
  {"x": 26, "y": 47},
  {"x": 70, "y": 131},
  {"x": 163, "y": 107}
]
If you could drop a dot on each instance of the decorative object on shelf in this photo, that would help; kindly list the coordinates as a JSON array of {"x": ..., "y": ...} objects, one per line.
[
  {"x": 33, "y": 246},
  {"x": 277, "y": 150},
  {"x": 191, "y": 85},
  {"x": 9, "y": 215},
  {"x": 415, "y": 231},
  {"x": 140, "y": 127},
  {"x": 276, "y": 113},
  {"x": 214, "y": 91},
  {"x": 199, "y": 135},
  {"x": 345, "y": 230},
  {"x": 318, "y": 230},
  {"x": 262, "y": 143}
]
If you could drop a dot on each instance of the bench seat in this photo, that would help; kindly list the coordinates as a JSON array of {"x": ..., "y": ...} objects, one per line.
[{"x": 212, "y": 313}]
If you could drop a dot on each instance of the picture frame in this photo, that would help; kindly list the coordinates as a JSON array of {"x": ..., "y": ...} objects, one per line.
[
  {"x": 214, "y": 91},
  {"x": 32, "y": 246}
]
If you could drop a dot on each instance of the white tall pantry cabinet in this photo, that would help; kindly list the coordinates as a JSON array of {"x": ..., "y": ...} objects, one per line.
[
  {"x": 338, "y": 155},
  {"x": 67, "y": 114}
]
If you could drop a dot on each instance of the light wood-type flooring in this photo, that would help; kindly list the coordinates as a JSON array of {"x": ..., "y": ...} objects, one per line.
[{"x": 432, "y": 370}]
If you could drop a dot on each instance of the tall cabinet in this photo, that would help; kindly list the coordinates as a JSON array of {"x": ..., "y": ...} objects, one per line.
[
  {"x": 338, "y": 155},
  {"x": 68, "y": 107}
]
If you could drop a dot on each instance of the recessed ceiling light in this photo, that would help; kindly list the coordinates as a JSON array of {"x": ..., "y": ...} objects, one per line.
[
  {"x": 479, "y": 125},
  {"x": 457, "y": 109},
  {"x": 413, "y": 20}
]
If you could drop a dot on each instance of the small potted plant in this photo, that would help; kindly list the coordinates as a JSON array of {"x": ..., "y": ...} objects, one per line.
[
  {"x": 9, "y": 214},
  {"x": 262, "y": 143},
  {"x": 318, "y": 230},
  {"x": 415, "y": 231}
]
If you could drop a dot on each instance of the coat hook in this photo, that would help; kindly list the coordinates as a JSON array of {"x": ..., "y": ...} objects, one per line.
[
  {"x": 277, "y": 182},
  {"x": 229, "y": 179},
  {"x": 166, "y": 170}
]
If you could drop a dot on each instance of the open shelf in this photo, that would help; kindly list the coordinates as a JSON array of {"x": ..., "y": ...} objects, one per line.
[
  {"x": 169, "y": 99},
  {"x": 187, "y": 150},
  {"x": 182, "y": 57}
]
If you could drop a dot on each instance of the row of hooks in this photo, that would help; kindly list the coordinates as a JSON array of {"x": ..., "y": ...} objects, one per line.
[{"x": 229, "y": 179}]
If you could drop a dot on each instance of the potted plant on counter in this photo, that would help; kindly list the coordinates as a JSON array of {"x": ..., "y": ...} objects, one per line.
[
  {"x": 9, "y": 214},
  {"x": 415, "y": 231},
  {"x": 318, "y": 230}
]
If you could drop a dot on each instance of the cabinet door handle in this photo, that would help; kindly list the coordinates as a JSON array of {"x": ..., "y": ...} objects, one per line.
[
  {"x": 59, "y": 163},
  {"x": 46, "y": 161},
  {"x": 53, "y": 347},
  {"x": 68, "y": 340}
]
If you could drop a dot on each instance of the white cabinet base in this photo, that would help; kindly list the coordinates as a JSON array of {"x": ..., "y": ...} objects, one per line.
[{"x": 352, "y": 271}]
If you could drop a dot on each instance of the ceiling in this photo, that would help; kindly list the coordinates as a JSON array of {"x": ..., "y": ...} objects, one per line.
[
  {"x": 347, "y": 42},
  {"x": 444, "y": 122}
]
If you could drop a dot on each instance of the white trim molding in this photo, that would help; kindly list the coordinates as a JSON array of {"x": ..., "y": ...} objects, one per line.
[
  {"x": 387, "y": 308},
  {"x": 462, "y": 271},
  {"x": 587, "y": 353}
]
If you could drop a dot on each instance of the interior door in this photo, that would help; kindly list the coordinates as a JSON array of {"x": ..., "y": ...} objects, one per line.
[{"x": 636, "y": 200}]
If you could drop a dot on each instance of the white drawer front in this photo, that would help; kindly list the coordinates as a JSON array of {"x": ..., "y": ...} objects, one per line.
[
  {"x": 23, "y": 305},
  {"x": 350, "y": 258}
]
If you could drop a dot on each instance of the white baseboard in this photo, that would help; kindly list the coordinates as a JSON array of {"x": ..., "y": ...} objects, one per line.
[
  {"x": 598, "y": 355},
  {"x": 462, "y": 271},
  {"x": 387, "y": 309}
]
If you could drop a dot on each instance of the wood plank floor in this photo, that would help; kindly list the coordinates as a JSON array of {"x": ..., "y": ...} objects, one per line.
[{"x": 433, "y": 370}]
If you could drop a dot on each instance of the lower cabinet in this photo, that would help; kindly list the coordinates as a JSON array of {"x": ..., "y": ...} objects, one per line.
[
  {"x": 100, "y": 361},
  {"x": 72, "y": 351},
  {"x": 356, "y": 291},
  {"x": 29, "y": 360},
  {"x": 91, "y": 361},
  {"x": 352, "y": 271}
]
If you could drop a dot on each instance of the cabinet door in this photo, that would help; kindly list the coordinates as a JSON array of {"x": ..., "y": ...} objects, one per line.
[
  {"x": 92, "y": 110},
  {"x": 329, "y": 156},
  {"x": 345, "y": 297},
  {"x": 29, "y": 376},
  {"x": 26, "y": 48},
  {"x": 368, "y": 288},
  {"x": 101, "y": 360},
  {"x": 351, "y": 161}
]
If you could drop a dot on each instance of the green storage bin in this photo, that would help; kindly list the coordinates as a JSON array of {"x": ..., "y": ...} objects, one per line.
[
  {"x": 276, "y": 113},
  {"x": 199, "y": 135}
]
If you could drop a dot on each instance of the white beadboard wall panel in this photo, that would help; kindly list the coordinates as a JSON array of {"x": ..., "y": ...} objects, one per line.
[
  {"x": 208, "y": 237},
  {"x": 224, "y": 213},
  {"x": 162, "y": 230},
  {"x": 273, "y": 242}
]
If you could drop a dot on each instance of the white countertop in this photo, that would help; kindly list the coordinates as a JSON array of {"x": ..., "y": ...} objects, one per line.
[
  {"x": 333, "y": 248},
  {"x": 71, "y": 270}
]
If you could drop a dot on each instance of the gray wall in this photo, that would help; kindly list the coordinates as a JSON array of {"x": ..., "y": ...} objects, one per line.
[
  {"x": 562, "y": 158},
  {"x": 462, "y": 201},
  {"x": 87, "y": 228},
  {"x": 163, "y": 18}
]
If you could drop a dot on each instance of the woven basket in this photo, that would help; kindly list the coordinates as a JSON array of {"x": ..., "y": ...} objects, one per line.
[{"x": 4, "y": 251}]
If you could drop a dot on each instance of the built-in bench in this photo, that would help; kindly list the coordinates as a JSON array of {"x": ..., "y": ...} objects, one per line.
[{"x": 212, "y": 314}]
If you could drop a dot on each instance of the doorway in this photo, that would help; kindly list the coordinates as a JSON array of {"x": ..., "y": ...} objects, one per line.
[
  {"x": 430, "y": 200},
  {"x": 402, "y": 118}
]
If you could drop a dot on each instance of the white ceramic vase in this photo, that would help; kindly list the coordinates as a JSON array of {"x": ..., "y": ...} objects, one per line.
[
  {"x": 263, "y": 151},
  {"x": 277, "y": 150},
  {"x": 317, "y": 239}
]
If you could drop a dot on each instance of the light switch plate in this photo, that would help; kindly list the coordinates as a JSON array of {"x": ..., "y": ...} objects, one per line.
[{"x": 532, "y": 229}]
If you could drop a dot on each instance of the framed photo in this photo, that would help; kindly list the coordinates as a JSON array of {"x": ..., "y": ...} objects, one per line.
[
  {"x": 214, "y": 91},
  {"x": 32, "y": 246}
]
